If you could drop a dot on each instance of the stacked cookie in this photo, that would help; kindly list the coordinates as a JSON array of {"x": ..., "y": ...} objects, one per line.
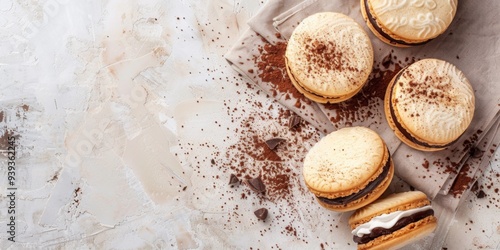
[
  {"x": 429, "y": 104},
  {"x": 407, "y": 23},
  {"x": 329, "y": 57},
  {"x": 393, "y": 222},
  {"x": 348, "y": 168}
]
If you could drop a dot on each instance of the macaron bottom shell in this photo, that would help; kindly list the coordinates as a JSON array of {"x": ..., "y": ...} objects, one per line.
[
  {"x": 315, "y": 97},
  {"x": 410, "y": 233},
  {"x": 366, "y": 199}
]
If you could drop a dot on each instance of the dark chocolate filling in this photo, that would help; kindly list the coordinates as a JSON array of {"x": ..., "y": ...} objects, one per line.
[
  {"x": 403, "y": 130},
  {"x": 372, "y": 185},
  {"x": 380, "y": 231},
  {"x": 385, "y": 35}
]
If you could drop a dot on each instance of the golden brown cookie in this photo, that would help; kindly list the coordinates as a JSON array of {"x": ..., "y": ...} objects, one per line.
[
  {"x": 348, "y": 168},
  {"x": 329, "y": 57},
  {"x": 429, "y": 104},
  {"x": 405, "y": 23},
  {"x": 393, "y": 222}
]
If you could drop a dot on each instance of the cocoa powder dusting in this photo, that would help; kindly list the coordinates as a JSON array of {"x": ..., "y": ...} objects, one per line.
[
  {"x": 425, "y": 164},
  {"x": 324, "y": 55},
  {"x": 4, "y": 138},
  {"x": 279, "y": 169},
  {"x": 462, "y": 181},
  {"x": 272, "y": 68},
  {"x": 360, "y": 107}
]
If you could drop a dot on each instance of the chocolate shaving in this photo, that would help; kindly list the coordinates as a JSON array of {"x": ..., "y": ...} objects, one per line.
[
  {"x": 261, "y": 213},
  {"x": 481, "y": 194},
  {"x": 474, "y": 187},
  {"x": 386, "y": 62},
  {"x": 233, "y": 180},
  {"x": 256, "y": 185},
  {"x": 274, "y": 142},
  {"x": 294, "y": 121},
  {"x": 475, "y": 152}
]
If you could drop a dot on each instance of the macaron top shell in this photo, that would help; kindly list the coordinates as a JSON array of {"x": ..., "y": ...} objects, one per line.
[
  {"x": 416, "y": 20},
  {"x": 329, "y": 54},
  {"x": 434, "y": 101},
  {"x": 344, "y": 160}
]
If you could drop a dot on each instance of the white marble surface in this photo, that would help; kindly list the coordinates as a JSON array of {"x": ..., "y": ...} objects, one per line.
[{"x": 128, "y": 118}]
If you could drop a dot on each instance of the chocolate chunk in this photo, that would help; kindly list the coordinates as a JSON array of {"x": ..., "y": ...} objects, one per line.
[
  {"x": 476, "y": 152},
  {"x": 481, "y": 194},
  {"x": 294, "y": 121},
  {"x": 474, "y": 187},
  {"x": 233, "y": 180},
  {"x": 386, "y": 62},
  {"x": 261, "y": 213},
  {"x": 256, "y": 185},
  {"x": 274, "y": 142}
]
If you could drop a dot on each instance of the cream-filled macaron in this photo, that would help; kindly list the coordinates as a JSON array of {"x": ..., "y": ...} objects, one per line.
[
  {"x": 329, "y": 57},
  {"x": 405, "y": 23},
  {"x": 348, "y": 168},
  {"x": 429, "y": 104},
  {"x": 393, "y": 222}
]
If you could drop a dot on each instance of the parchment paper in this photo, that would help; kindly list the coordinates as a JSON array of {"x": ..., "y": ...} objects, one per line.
[{"x": 470, "y": 43}]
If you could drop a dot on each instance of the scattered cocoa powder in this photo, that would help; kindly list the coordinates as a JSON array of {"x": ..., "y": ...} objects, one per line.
[
  {"x": 471, "y": 141},
  {"x": 446, "y": 165},
  {"x": 291, "y": 230},
  {"x": 462, "y": 181},
  {"x": 4, "y": 138},
  {"x": 362, "y": 106},
  {"x": 251, "y": 156},
  {"x": 272, "y": 68},
  {"x": 425, "y": 164},
  {"x": 323, "y": 55}
]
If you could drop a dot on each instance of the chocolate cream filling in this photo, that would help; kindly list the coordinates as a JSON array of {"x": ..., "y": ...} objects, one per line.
[
  {"x": 380, "y": 231},
  {"x": 403, "y": 130},
  {"x": 373, "y": 21},
  {"x": 372, "y": 185}
]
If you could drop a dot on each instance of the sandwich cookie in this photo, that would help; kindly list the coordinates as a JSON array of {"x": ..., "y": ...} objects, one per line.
[
  {"x": 393, "y": 222},
  {"x": 329, "y": 57},
  {"x": 405, "y": 23},
  {"x": 429, "y": 104},
  {"x": 348, "y": 168}
]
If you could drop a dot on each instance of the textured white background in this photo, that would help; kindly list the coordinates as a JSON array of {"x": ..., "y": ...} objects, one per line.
[{"x": 128, "y": 104}]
